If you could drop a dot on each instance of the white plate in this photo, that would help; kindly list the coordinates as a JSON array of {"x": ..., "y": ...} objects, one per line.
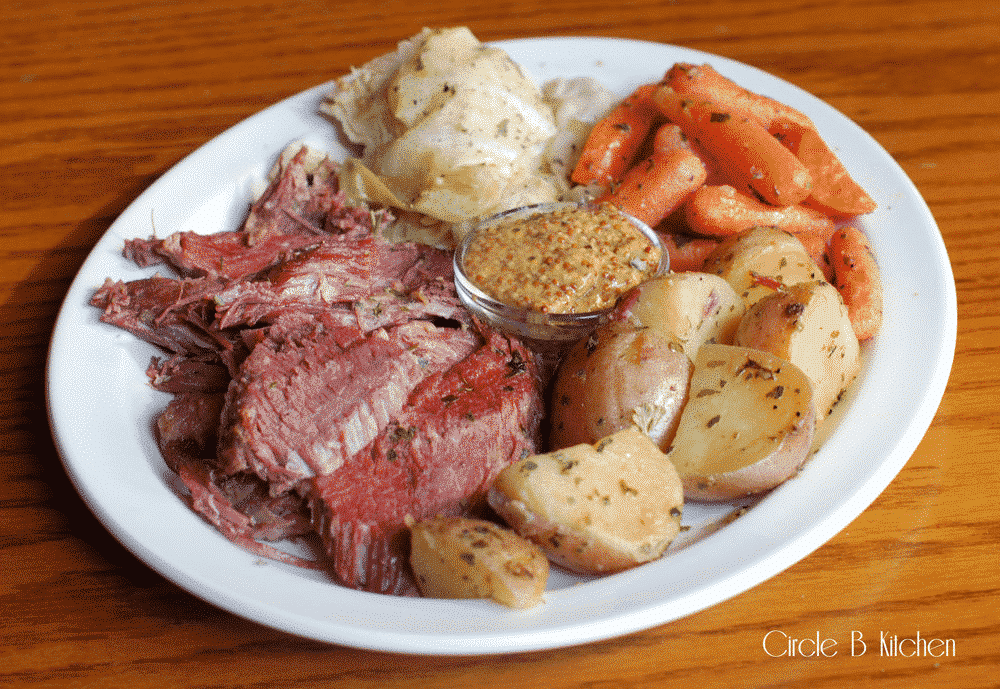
[{"x": 101, "y": 407}]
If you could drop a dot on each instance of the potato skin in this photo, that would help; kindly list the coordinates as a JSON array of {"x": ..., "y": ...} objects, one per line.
[
  {"x": 594, "y": 508},
  {"x": 748, "y": 426},
  {"x": 458, "y": 557},
  {"x": 808, "y": 325},
  {"x": 615, "y": 379}
]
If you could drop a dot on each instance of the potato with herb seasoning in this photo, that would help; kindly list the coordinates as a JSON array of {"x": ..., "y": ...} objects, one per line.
[
  {"x": 594, "y": 508},
  {"x": 748, "y": 424},
  {"x": 761, "y": 261},
  {"x": 689, "y": 309},
  {"x": 615, "y": 379},
  {"x": 458, "y": 557},
  {"x": 808, "y": 325}
]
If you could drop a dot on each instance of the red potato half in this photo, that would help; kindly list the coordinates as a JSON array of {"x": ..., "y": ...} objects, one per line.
[
  {"x": 615, "y": 379},
  {"x": 808, "y": 325},
  {"x": 761, "y": 261},
  {"x": 594, "y": 508},
  {"x": 748, "y": 424},
  {"x": 689, "y": 309}
]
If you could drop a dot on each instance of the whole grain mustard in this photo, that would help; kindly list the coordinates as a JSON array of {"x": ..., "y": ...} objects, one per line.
[{"x": 572, "y": 260}]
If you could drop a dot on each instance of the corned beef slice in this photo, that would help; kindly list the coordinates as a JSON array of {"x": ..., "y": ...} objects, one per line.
[
  {"x": 223, "y": 255},
  {"x": 298, "y": 209},
  {"x": 346, "y": 267},
  {"x": 358, "y": 391},
  {"x": 301, "y": 408},
  {"x": 242, "y": 510},
  {"x": 176, "y": 315},
  {"x": 458, "y": 430},
  {"x": 240, "y": 505},
  {"x": 303, "y": 198},
  {"x": 382, "y": 282},
  {"x": 186, "y": 430},
  {"x": 180, "y": 374}
]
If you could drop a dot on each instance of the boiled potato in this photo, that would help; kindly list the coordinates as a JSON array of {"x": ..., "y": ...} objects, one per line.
[
  {"x": 615, "y": 379},
  {"x": 456, "y": 557},
  {"x": 758, "y": 262},
  {"x": 688, "y": 308},
  {"x": 748, "y": 424},
  {"x": 808, "y": 325},
  {"x": 594, "y": 508}
]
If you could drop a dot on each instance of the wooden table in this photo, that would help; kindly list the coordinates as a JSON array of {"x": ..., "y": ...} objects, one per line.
[{"x": 100, "y": 98}]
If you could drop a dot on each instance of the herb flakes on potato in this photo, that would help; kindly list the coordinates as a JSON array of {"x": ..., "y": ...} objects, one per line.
[{"x": 595, "y": 508}]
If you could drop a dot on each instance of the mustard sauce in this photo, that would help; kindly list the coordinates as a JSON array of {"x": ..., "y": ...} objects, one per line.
[{"x": 572, "y": 260}]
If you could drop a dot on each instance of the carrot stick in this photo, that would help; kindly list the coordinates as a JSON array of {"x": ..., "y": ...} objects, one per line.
[
  {"x": 816, "y": 242},
  {"x": 656, "y": 186},
  {"x": 722, "y": 211},
  {"x": 833, "y": 191},
  {"x": 687, "y": 253},
  {"x": 669, "y": 137},
  {"x": 615, "y": 139},
  {"x": 750, "y": 157},
  {"x": 702, "y": 82},
  {"x": 857, "y": 277}
]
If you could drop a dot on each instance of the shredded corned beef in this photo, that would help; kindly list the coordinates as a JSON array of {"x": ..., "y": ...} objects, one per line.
[{"x": 327, "y": 382}]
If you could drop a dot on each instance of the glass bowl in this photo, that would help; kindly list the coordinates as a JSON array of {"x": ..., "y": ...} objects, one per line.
[{"x": 538, "y": 329}]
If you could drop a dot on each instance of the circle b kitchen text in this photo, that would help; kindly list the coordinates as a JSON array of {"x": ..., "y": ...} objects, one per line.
[{"x": 778, "y": 644}]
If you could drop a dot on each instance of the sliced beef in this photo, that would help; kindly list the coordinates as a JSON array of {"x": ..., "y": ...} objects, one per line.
[
  {"x": 435, "y": 301},
  {"x": 223, "y": 255},
  {"x": 241, "y": 508},
  {"x": 334, "y": 271},
  {"x": 300, "y": 199},
  {"x": 457, "y": 431},
  {"x": 384, "y": 282},
  {"x": 175, "y": 314},
  {"x": 327, "y": 382},
  {"x": 297, "y": 211},
  {"x": 178, "y": 374},
  {"x": 302, "y": 407},
  {"x": 346, "y": 268},
  {"x": 240, "y": 505},
  {"x": 259, "y": 304},
  {"x": 187, "y": 429}
]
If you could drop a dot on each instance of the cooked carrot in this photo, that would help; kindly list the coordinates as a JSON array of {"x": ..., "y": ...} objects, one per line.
[
  {"x": 615, "y": 139},
  {"x": 653, "y": 188},
  {"x": 816, "y": 242},
  {"x": 858, "y": 279},
  {"x": 669, "y": 137},
  {"x": 702, "y": 82},
  {"x": 722, "y": 211},
  {"x": 834, "y": 191},
  {"x": 686, "y": 252},
  {"x": 745, "y": 152}
]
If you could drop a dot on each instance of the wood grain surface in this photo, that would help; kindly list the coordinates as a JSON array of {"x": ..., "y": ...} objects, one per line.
[{"x": 102, "y": 97}]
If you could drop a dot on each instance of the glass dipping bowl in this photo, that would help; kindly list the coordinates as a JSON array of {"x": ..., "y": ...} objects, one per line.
[{"x": 540, "y": 330}]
